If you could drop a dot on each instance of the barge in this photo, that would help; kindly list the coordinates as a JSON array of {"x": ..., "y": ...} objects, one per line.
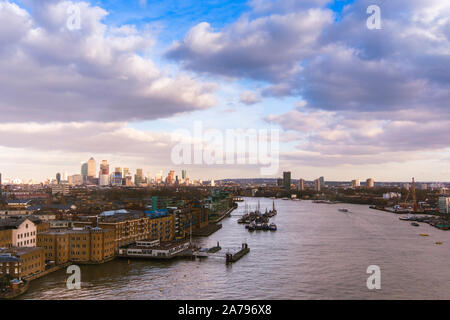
[{"x": 154, "y": 249}]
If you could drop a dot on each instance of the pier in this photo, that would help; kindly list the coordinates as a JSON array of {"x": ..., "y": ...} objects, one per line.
[{"x": 229, "y": 257}]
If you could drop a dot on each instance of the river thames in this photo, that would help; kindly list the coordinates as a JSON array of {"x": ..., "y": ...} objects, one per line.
[{"x": 317, "y": 252}]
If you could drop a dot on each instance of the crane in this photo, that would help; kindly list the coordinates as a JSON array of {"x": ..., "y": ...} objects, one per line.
[{"x": 413, "y": 192}]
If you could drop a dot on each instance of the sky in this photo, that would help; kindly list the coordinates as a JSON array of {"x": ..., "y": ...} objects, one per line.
[{"x": 115, "y": 79}]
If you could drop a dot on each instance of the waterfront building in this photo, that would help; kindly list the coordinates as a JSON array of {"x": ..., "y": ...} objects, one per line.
[
  {"x": 128, "y": 227},
  {"x": 301, "y": 185},
  {"x": 287, "y": 180},
  {"x": 356, "y": 183},
  {"x": 322, "y": 182},
  {"x": 21, "y": 262},
  {"x": 162, "y": 224},
  {"x": 370, "y": 183},
  {"x": 444, "y": 204},
  {"x": 58, "y": 178},
  {"x": 83, "y": 245},
  {"x": 23, "y": 231},
  {"x": 5, "y": 238},
  {"x": 317, "y": 185}
]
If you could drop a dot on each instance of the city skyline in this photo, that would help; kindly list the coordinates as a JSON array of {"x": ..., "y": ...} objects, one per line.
[{"x": 345, "y": 105}]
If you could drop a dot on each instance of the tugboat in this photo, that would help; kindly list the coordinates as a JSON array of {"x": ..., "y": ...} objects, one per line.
[
  {"x": 415, "y": 224},
  {"x": 251, "y": 227},
  {"x": 273, "y": 227},
  {"x": 343, "y": 210},
  {"x": 265, "y": 227}
]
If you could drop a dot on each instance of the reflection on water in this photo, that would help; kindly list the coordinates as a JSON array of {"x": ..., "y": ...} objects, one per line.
[{"x": 317, "y": 253}]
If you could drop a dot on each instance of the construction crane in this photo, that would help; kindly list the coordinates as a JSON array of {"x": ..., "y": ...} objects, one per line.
[{"x": 412, "y": 191}]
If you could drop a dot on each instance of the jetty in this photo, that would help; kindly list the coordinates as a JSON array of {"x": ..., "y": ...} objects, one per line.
[
  {"x": 231, "y": 258},
  {"x": 213, "y": 252}
]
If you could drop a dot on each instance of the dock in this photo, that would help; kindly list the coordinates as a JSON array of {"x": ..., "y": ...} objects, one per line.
[
  {"x": 231, "y": 258},
  {"x": 213, "y": 252}
]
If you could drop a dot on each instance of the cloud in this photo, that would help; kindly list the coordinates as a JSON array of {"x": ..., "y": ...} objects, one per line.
[
  {"x": 250, "y": 97},
  {"x": 100, "y": 73},
  {"x": 266, "y": 48}
]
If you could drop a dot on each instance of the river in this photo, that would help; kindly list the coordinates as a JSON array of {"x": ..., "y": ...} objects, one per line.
[{"x": 317, "y": 252}]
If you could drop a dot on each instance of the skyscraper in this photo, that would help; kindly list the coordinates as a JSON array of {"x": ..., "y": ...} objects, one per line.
[
  {"x": 183, "y": 174},
  {"x": 104, "y": 173},
  {"x": 58, "y": 178},
  {"x": 301, "y": 185},
  {"x": 322, "y": 182},
  {"x": 287, "y": 180},
  {"x": 138, "y": 177},
  {"x": 317, "y": 185},
  {"x": 84, "y": 171},
  {"x": 91, "y": 168},
  {"x": 116, "y": 177}
]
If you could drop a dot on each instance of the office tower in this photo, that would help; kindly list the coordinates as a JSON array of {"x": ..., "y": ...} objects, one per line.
[
  {"x": 279, "y": 182},
  {"x": 126, "y": 172},
  {"x": 356, "y": 183},
  {"x": 92, "y": 168},
  {"x": 444, "y": 205},
  {"x": 58, "y": 178},
  {"x": 116, "y": 177},
  {"x": 158, "y": 176},
  {"x": 287, "y": 180},
  {"x": 183, "y": 174},
  {"x": 104, "y": 173},
  {"x": 1, "y": 190},
  {"x": 370, "y": 183},
  {"x": 317, "y": 185},
  {"x": 170, "y": 177},
  {"x": 301, "y": 185},
  {"x": 322, "y": 182},
  {"x": 149, "y": 177},
  {"x": 84, "y": 171},
  {"x": 138, "y": 177}
]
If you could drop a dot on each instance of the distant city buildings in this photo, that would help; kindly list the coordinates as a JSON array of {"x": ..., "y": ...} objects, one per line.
[
  {"x": 287, "y": 180},
  {"x": 301, "y": 185},
  {"x": 356, "y": 183},
  {"x": 322, "y": 182},
  {"x": 370, "y": 183},
  {"x": 444, "y": 204},
  {"x": 317, "y": 185},
  {"x": 91, "y": 168}
]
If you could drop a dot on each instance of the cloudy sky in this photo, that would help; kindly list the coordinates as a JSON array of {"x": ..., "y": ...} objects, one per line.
[{"x": 113, "y": 79}]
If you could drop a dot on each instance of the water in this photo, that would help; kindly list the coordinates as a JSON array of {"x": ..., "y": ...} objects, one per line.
[{"x": 317, "y": 253}]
